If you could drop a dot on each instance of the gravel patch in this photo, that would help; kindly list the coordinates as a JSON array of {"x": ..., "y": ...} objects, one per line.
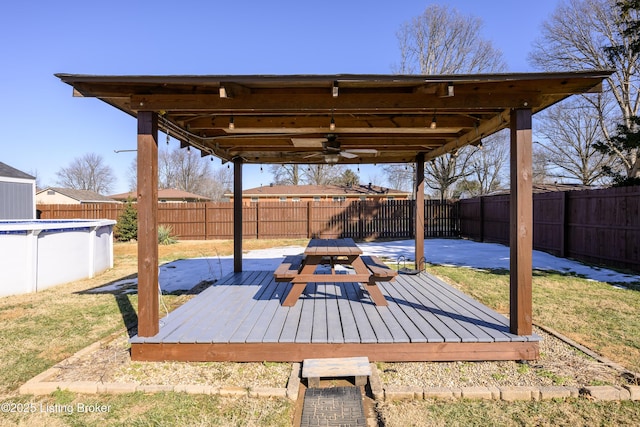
[
  {"x": 559, "y": 365},
  {"x": 111, "y": 363}
]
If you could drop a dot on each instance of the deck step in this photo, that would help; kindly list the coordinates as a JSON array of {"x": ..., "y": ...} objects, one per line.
[{"x": 357, "y": 367}]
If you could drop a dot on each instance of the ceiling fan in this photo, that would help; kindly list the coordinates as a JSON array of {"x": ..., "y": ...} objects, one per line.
[{"x": 330, "y": 148}]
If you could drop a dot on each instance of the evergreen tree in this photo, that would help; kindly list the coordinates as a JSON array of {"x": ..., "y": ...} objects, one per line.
[{"x": 126, "y": 228}]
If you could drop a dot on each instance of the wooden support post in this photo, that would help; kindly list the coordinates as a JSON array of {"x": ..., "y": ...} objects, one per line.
[
  {"x": 148, "y": 312},
  {"x": 521, "y": 223},
  {"x": 419, "y": 216},
  {"x": 237, "y": 215}
]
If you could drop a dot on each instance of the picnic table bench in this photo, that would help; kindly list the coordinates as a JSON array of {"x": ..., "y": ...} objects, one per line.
[{"x": 301, "y": 269}]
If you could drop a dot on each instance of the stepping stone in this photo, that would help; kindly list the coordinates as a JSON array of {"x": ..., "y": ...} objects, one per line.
[
  {"x": 335, "y": 406},
  {"x": 357, "y": 367}
]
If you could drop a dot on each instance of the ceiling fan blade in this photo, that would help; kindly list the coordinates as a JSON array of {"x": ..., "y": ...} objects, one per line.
[
  {"x": 363, "y": 151},
  {"x": 308, "y": 142},
  {"x": 313, "y": 155},
  {"x": 348, "y": 155}
]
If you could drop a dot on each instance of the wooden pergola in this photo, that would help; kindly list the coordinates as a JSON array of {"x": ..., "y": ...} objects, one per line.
[{"x": 353, "y": 119}]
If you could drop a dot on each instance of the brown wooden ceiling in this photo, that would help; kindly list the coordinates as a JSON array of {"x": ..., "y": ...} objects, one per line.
[{"x": 378, "y": 118}]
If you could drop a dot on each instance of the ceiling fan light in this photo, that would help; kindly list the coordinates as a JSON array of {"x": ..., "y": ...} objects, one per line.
[
  {"x": 331, "y": 158},
  {"x": 433, "y": 123},
  {"x": 332, "y": 124}
]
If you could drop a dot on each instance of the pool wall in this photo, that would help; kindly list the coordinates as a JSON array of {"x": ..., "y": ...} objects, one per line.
[{"x": 35, "y": 255}]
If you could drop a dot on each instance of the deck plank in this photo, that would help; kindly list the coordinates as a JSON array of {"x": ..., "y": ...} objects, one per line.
[
  {"x": 448, "y": 316},
  {"x": 319, "y": 332},
  {"x": 472, "y": 313},
  {"x": 347, "y": 318},
  {"x": 361, "y": 320},
  {"x": 261, "y": 322},
  {"x": 200, "y": 307},
  {"x": 415, "y": 324},
  {"x": 500, "y": 322},
  {"x": 303, "y": 334},
  {"x": 198, "y": 330},
  {"x": 447, "y": 304},
  {"x": 236, "y": 315},
  {"x": 257, "y": 305},
  {"x": 334, "y": 315}
]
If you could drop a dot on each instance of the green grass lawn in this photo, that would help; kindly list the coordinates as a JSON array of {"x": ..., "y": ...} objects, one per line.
[
  {"x": 599, "y": 316},
  {"x": 39, "y": 330}
]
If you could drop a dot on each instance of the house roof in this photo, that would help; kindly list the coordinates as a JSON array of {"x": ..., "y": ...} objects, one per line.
[
  {"x": 11, "y": 172},
  {"x": 547, "y": 188},
  {"x": 84, "y": 196},
  {"x": 322, "y": 190},
  {"x": 165, "y": 193},
  {"x": 342, "y": 118}
]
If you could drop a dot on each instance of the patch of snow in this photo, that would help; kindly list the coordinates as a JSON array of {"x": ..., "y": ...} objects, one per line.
[{"x": 186, "y": 273}]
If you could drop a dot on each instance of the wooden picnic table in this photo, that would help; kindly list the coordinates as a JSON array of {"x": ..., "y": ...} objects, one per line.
[{"x": 300, "y": 270}]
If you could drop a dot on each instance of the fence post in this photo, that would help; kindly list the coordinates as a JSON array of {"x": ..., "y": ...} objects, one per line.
[
  {"x": 308, "y": 219},
  {"x": 482, "y": 218},
  {"x": 563, "y": 224},
  {"x": 360, "y": 219},
  {"x": 206, "y": 220},
  {"x": 412, "y": 221}
]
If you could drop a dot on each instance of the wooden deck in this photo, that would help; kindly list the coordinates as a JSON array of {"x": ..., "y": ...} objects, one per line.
[{"x": 240, "y": 318}]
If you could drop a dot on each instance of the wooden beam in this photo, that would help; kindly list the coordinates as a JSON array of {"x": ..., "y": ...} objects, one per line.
[
  {"x": 237, "y": 215},
  {"x": 521, "y": 223},
  {"x": 148, "y": 318},
  {"x": 419, "y": 216},
  {"x": 296, "y": 352},
  {"x": 485, "y": 128},
  {"x": 368, "y": 103}
]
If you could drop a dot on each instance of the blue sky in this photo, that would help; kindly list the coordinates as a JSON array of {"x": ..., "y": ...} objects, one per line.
[{"x": 44, "y": 127}]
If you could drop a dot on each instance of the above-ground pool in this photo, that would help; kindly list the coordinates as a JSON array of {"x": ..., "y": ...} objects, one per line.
[{"x": 37, "y": 254}]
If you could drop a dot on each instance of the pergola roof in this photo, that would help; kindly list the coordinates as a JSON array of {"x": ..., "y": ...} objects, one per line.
[{"x": 328, "y": 118}]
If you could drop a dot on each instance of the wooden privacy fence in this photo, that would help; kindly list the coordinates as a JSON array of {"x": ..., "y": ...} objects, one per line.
[
  {"x": 361, "y": 219},
  {"x": 595, "y": 226}
]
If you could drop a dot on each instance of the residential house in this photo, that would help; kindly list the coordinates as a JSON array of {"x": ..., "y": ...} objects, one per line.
[
  {"x": 165, "y": 195},
  {"x": 318, "y": 193},
  {"x": 69, "y": 196}
]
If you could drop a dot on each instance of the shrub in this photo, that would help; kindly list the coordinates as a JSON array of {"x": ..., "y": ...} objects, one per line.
[
  {"x": 165, "y": 235},
  {"x": 126, "y": 228}
]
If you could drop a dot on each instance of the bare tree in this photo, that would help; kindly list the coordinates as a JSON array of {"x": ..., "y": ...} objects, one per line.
[
  {"x": 400, "y": 176},
  {"x": 443, "y": 41},
  {"x": 220, "y": 182},
  {"x": 287, "y": 174},
  {"x": 184, "y": 170},
  {"x": 188, "y": 171},
  {"x": 487, "y": 164},
  {"x": 87, "y": 172},
  {"x": 322, "y": 174},
  {"x": 580, "y": 35},
  {"x": 570, "y": 130},
  {"x": 443, "y": 172}
]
